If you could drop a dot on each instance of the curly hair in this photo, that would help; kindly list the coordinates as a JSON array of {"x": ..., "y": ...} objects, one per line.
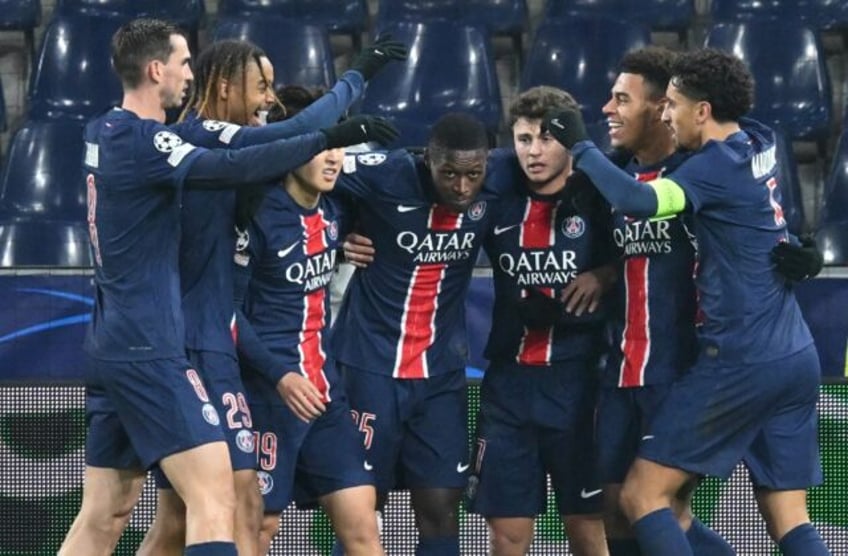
[
  {"x": 716, "y": 77},
  {"x": 291, "y": 100},
  {"x": 654, "y": 64}
]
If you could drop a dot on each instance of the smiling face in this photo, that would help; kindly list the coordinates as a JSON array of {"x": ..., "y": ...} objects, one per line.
[
  {"x": 176, "y": 73},
  {"x": 246, "y": 97},
  {"x": 457, "y": 175},
  {"x": 544, "y": 160},
  {"x": 632, "y": 113}
]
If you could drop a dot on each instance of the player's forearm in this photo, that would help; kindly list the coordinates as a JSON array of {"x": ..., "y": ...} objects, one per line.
[
  {"x": 622, "y": 191},
  {"x": 226, "y": 169},
  {"x": 253, "y": 352},
  {"x": 322, "y": 113}
]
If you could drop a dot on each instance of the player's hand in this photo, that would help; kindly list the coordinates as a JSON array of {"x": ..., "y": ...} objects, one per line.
[
  {"x": 566, "y": 126},
  {"x": 358, "y": 250},
  {"x": 360, "y": 129},
  {"x": 798, "y": 262},
  {"x": 583, "y": 294},
  {"x": 301, "y": 396},
  {"x": 373, "y": 58},
  {"x": 539, "y": 310}
]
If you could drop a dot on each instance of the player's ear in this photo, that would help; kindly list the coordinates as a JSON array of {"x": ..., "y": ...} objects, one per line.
[
  {"x": 155, "y": 69},
  {"x": 223, "y": 89},
  {"x": 703, "y": 111}
]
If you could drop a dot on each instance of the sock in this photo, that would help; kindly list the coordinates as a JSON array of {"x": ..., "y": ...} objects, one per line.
[
  {"x": 623, "y": 547},
  {"x": 803, "y": 540},
  {"x": 438, "y": 546},
  {"x": 660, "y": 535},
  {"x": 338, "y": 550},
  {"x": 706, "y": 542},
  {"x": 218, "y": 548}
]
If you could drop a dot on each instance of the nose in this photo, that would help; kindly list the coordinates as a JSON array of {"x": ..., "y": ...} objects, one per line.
[
  {"x": 462, "y": 186},
  {"x": 608, "y": 108},
  {"x": 666, "y": 115}
]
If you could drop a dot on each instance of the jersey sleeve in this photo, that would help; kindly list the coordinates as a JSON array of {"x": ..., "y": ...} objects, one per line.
[
  {"x": 162, "y": 156},
  {"x": 700, "y": 180},
  {"x": 366, "y": 174}
]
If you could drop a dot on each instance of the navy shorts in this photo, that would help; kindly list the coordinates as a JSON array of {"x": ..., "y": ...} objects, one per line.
[
  {"x": 415, "y": 431},
  {"x": 762, "y": 414},
  {"x": 624, "y": 415},
  {"x": 535, "y": 422},
  {"x": 142, "y": 411},
  {"x": 222, "y": 377},
  {"x": 304, "y": 461}
]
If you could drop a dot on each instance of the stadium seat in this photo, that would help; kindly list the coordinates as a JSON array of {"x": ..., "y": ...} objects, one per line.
[
  {"x": 788, "y": 63},
  {"x": 42, "y": 175},
  {"x": 450, "y": 68},
  {"x": 42, "y": 197},
  {"x": 819, "y": 14},
  {"x": 187, "y": 14},
  {"x": 301, "y": 54},
  {"x": 2, "y": 109},
  {"x": 789, "y": 183},
  {"x": 73, "y": 75},
  {"x": 507, "y": 17},
  {"x": 832, "y": 234},
  {"x": 347, "y": 17},
  {"x": 581, "y": 55},
  {"x": 657, "y": 14},
  {"x": 21, "y": 15}
]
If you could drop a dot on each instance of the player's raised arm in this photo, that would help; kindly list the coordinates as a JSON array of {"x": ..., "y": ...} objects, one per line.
[
  {"x": 224, "y": 169},
  {"x": 662, "y": 197}
]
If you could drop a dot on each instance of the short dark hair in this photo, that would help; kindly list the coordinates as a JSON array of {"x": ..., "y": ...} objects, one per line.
[
  {"x": 458, "y": 131},
  {"x": 138, "y": 42},
  {"x": 292, "y": 99},
  {"x": 535, "y": 102},
  {"x": 653, "y": 63},
  {"x": 223, "y": 59},
  {"x": 716, "y": 77}
]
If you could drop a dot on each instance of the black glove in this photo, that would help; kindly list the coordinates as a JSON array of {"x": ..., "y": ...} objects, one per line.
[
  {"x": 538, "y": 310},
  {"x": 796, "y": 263},
  {"x": 372, "y": 59},
  {"x": 360, "y": 129},
  {"x": 566, "y": 126}
]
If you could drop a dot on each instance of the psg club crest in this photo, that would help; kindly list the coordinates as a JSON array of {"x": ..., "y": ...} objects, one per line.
[
  {"x": 477, "y": 210},
  {"x": 244, "y": 440},
  {"x": 573, "y": 227},
  {"x": 210, "y": 414},
  {"x": 266, "y": 482},
  {"x": 333, "y": 230}
]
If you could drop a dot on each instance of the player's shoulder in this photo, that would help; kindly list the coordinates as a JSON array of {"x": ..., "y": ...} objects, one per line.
[
  {"x": 392, "y": 172},
  {"x": 504, "y": 175},
  {"x": 205, "y": 132}
]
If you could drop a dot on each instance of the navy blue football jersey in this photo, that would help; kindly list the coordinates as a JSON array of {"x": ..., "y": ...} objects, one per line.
[
  {"x": 209, "y": 219},
  {"x": 134, "y": 171},
  {"x": 404, "y": 315},
  {"x": 653, "y": 327},
  {"x": 750, "y": 315},
  {"x": 543, "y": 242},
  {"x": 290, "y": 255}
]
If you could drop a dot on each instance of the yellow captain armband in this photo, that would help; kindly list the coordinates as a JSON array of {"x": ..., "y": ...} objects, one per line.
[{"x": 671, "y": 199}]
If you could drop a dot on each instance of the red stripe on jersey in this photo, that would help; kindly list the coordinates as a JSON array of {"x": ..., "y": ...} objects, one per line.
[
  {"x": 537, "y": 232},
  {"x": 636, "y": 340},
  {"x": 418, "y": 322},
  {"x": 234, "y": 329},
  {"x": 312, "y": 356}
]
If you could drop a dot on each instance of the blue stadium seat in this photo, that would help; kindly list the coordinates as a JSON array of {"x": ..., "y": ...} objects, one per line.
[
  {"x": 788, "y": 63},
  {"x": 21, "y": 15},
  {"x": 348, "y": 17},
  {"x": 819, "y": 14},
  {"x": 2, "y": 109},
  {"x": 188, "y": 14},
  {"x": 507, "y": 17},
  {"x": 657, "y": 14},
  {"x": 789, "y": 183},
  {"x": 450, "y": 68},
  {"x": 73, "y": 75},
  {"x": 301, "y": 53},
  {"x": 581, "y": 55},
  {"x": 42, "y": 197},
  {"x": 42, "y": 175},
  {"x": 832, "y": 234}
]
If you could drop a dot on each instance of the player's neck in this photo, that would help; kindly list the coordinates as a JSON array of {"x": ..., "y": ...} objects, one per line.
[
  {"x": 553, "y": 185},
  {"x": 658, "y": 148},
  {"x": 144, "y": 103},
  {"x": 304, "y": 196},
  {"x": 716, "y": 131}
]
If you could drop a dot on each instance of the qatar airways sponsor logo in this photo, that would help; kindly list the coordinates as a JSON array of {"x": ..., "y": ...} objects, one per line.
[
  {"x": 315, "y": 272},
  {"x": 437, "y": 247},
  {"x": 540, "y": 267},
  {"x": 644, "y": 237}
]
